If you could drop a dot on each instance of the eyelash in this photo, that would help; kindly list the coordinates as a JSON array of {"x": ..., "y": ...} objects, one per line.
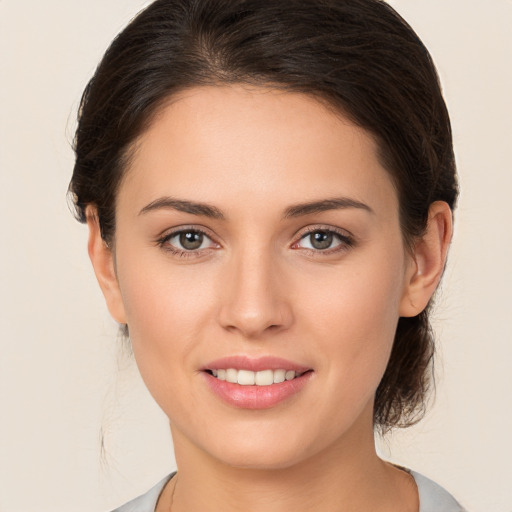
[
  {"x": 346, "y": 242},
  {"x": 163, "y": 243}
]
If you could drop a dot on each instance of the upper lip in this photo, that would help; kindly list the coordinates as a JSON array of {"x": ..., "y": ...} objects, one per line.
[{"x": 255, "y": 364}]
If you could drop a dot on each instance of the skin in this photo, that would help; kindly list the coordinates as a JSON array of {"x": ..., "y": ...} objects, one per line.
[{"x": 258, "y": 287}]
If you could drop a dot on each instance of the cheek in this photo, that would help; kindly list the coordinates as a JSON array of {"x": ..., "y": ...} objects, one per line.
[
  {"x": 159, "y": 295},
  {"x": 359, "y": 301},
  {"x": 354, "y": 322},
  {"x": 344, "y": 321},
  {"x": 168, "y": 310}
]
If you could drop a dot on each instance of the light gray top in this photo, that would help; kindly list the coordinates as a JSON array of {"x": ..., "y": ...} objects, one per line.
[{"x": 433, "y": 498}]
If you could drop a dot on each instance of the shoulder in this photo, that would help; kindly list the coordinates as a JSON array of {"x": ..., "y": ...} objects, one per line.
[
  {"x": 433, "y": 498},
  {"x": 147, "y": 501}
]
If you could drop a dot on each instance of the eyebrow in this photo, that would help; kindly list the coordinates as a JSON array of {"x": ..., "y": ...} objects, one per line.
[
  {"x": 298, "y": 210},
  {"x": 337, "y": 203},
  {"x": 192, "y": 207}
]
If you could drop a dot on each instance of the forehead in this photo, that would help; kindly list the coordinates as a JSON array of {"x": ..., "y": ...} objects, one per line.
[{"x": 256, "y": 142}]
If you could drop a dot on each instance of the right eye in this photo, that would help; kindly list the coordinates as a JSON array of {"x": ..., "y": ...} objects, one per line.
[{"x": 186, "y": 241}]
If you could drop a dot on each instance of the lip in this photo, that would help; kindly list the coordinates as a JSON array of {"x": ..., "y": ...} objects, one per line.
[
  {"x": 256, "y": 397},
  {"x": 255, "y": 364}
]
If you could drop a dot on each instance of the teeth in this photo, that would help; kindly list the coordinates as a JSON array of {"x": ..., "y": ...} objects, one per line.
[
  {"x": 279, "y": 376},
  {"x": 249, "y": 378},
  {"x": 246, "y": 377},
  {"x": 264, "y": 378},
  {"x": 231, "y": 375},
  {"x": 290, "y": 375}
]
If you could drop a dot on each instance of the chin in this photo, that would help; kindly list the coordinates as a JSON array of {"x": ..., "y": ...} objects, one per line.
[
  {"x": 262, "y": 451},
  {"x": 259, "y": 461}
]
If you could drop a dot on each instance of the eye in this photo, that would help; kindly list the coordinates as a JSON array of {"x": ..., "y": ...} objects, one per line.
[
  {"x": 186, "y": 241},
  {"x": 319, "y": 240},
  {"x": 323, "y": 240}
]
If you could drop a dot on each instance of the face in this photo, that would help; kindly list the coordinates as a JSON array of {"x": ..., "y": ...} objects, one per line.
[{"x": 258, "y": 241}]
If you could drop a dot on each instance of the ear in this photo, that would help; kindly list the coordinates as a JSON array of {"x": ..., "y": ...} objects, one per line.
[
  {"x": 102, "y": 259},
  {"x": 427, "y": 261}
]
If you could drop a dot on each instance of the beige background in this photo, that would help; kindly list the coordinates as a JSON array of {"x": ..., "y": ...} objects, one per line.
[{"x": 61, "y": 376}]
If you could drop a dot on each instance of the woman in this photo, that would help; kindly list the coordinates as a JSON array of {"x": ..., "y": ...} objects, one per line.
[{"x": 269, "y": 190}]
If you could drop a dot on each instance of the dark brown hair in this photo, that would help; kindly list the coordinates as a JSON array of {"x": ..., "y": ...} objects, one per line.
[{"x": 359, "y": 56}]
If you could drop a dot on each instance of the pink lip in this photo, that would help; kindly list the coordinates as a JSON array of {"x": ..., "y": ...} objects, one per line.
[
  {"x": 255, "y": 365},
  {"x": 256, "y": 397}
]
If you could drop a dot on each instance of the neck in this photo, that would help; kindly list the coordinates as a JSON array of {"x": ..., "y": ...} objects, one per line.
[{"x": 348, "y": 476}]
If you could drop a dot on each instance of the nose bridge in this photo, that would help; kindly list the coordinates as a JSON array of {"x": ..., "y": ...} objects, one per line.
[{"x": 253, "y": 298}]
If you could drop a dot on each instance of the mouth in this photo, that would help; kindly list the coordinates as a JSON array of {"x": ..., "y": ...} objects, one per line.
[
  {"x": 260, "y": 383},
  {"x": 255, "y": 378}
]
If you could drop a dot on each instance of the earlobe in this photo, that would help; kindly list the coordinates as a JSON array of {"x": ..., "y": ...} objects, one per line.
[
  {"x": 102, "y": 259},
  {"x": 427, "y": 261}
]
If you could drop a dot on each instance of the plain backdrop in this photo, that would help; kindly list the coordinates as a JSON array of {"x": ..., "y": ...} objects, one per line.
[{"x": 67, "y": 387}]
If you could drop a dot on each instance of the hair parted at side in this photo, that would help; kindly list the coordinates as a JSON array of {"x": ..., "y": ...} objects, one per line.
[{"x": 359, "y": 56}]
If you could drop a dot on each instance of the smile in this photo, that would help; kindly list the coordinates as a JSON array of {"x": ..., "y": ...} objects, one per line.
[
  {"x": 255, "y": 383},
  {"x": 251, "y": 378}
]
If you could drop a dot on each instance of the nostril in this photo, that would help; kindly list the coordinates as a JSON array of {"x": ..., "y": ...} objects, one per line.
[{"x": 253, "y": 314}]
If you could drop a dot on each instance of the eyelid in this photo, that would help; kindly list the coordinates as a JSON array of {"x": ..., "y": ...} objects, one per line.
[
  {"x": 344, "y": 233},
  {"x": 346, "y": 238},
  {"x": 166, "y": 233},
  {"x": 163, "y": 239}
]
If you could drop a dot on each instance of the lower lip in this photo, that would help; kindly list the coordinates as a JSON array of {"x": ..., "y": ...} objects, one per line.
[{"x": 256, "y": 397}]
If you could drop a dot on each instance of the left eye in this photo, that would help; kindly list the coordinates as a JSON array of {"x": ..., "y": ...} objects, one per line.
[
  {"x": 189, "y": 240},
  {"x": 321, "y": 240}
]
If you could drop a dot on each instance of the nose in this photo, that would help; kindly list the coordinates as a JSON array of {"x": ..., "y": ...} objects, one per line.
[{"x": 255, "y": 301}]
